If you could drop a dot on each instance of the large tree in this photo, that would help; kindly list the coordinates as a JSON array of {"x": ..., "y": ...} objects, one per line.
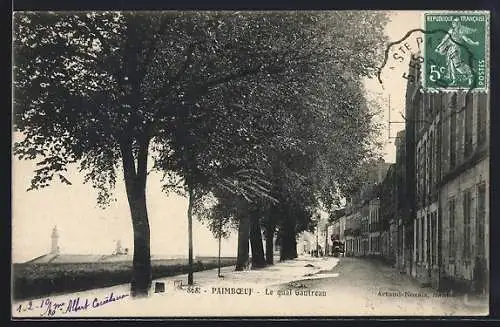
[
  {"x": 324, "y": 130},
  {"x": 311, "y": 157},
  {"x": 110, "y": 90}
]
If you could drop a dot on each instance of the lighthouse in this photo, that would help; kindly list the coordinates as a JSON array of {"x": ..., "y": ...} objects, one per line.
[{"x": 55, "y": 241}]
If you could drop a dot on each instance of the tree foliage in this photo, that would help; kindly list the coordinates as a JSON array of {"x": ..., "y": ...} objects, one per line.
[
  {"x": 217, "y": 99},
  {"x": 84, "y": 82},
  {"x": 322, "y": 130}
]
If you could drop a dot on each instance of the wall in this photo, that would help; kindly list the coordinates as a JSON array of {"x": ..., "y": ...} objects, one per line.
[{"x": 459, "y": 255}]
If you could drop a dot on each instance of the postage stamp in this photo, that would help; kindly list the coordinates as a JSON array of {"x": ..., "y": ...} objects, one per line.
[{"x": 456, "y": 51}]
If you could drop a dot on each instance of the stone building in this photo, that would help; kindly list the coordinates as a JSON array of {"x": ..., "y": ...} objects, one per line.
[
  {"x": 402, "y": 221},
  {"x": 429, "y": 213},
  {"x": 361, "y": 220},
  {"x": 374, "y": 226},
  {"x": 352, "y": 230},
  {"x": 464, "y": 191},
  {"x": 447, "y": 151},
  {"x": 388, "y": 216}
]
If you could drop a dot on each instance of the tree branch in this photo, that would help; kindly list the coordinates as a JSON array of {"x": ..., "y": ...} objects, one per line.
[{"x": 234, "y": 76}]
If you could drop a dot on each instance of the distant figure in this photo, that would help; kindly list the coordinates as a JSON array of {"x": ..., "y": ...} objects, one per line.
[
  {"x": 119, "y": 249},
  {"x": 54, "y": 249}
]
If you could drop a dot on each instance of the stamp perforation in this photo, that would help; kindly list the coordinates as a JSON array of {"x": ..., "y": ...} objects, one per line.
[{"x": 425, "y": 88}]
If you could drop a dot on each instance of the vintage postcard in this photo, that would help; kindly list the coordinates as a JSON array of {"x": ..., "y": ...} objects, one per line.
[{"x": 250, "y": 164}]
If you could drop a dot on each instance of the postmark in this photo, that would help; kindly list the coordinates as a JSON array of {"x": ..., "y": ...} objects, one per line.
[{"x": 456, "y": 48}]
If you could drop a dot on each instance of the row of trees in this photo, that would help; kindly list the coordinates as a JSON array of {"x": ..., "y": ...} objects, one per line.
[{"x": 257, "y": 118}]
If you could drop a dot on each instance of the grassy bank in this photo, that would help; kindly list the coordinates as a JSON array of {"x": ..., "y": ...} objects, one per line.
[{"x": 38, "y": 280}]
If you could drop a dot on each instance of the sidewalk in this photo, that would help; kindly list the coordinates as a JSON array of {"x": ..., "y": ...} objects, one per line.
[
  {"x": 306, "y": 286},
  {"x": 204, "y": 291}
]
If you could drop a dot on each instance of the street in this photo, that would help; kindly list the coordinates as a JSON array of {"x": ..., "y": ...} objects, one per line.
[
  {"x": 368, "y": 287},
  {"x": 307, "y": 286}
]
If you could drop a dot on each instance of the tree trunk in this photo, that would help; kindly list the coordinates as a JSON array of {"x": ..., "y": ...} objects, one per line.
[
  {"x": 293, "y": 240},
  {"x": 258, "y": 260},
  {"x": 141, "y": 281},
  {"x": 135, "y": 183},
  {"x": 190, "y": 237},
  {"x": 317, "y": 242},
  {"x": 269, "y": 244},
  {"x": 243, "y": 243},
  {"x": 220, "y": 241},
  {"x": 326, "y": 242},
  {"x": 288, "y": 241}
]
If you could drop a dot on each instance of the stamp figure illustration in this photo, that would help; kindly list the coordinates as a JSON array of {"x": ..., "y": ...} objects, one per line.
[{"x": 456, "y": 51}]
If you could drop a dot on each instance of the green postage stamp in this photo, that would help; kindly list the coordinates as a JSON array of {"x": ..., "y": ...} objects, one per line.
[{"x": 456, "y": 51}]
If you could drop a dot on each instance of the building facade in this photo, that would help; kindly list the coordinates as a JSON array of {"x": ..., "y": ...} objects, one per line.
[
  {"x": 464, "y": 191},
  {"x": 429, "y": 214},
  {"x": 362, "y": 222},
  {"x": 388, "y": 214},
  {"x": 447, "y": 162},
  {"x": 374, "y": 226},
  {"x": 449, "y": 141}
]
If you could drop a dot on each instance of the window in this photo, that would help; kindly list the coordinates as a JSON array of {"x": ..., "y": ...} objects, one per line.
[
  {"x": 467, "y": 228},
  {"x": 417, "y": 237},
  {"x": 431, "y": 162},
  {"x": 444, "y": 142},
  {"x": 400, "y": 239},
  {"x": 378, "y": 218},
  {"x": 437, "y": 153},
  {"x": 480, "y": 219},
  {"x": 428, "y": 242},
  {"x": 434, "y": 240},
  {"x": 419, "y": 175},
  {"x": 422, "y": 239},
  {"x": 431, "y": 100},
  {"x": 469, "y": 105},
  {"x": 439, "y": 103},
  {"x": 451, "y": 229},
  {"x": 481, "y": 119},
  {"x": 422, "y": 111},
  {"x": 436, "y": 103},
  {"x": 453, "y": 131},
  {"x": 424, "y": 171},
  {"x": 460, "y": 131},
  {"x": 428, "y": 105}
]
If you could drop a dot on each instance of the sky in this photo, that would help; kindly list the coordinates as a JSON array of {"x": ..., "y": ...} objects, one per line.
[
  {"x": 390, "y": 94},
  {"x": 86, "y": 229}
]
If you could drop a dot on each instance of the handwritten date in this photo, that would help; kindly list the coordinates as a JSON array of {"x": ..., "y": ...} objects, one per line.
[{"x": 49, "y": 307}]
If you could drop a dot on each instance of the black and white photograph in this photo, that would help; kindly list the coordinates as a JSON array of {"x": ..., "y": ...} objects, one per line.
[{"x": 277, "y": 163}]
